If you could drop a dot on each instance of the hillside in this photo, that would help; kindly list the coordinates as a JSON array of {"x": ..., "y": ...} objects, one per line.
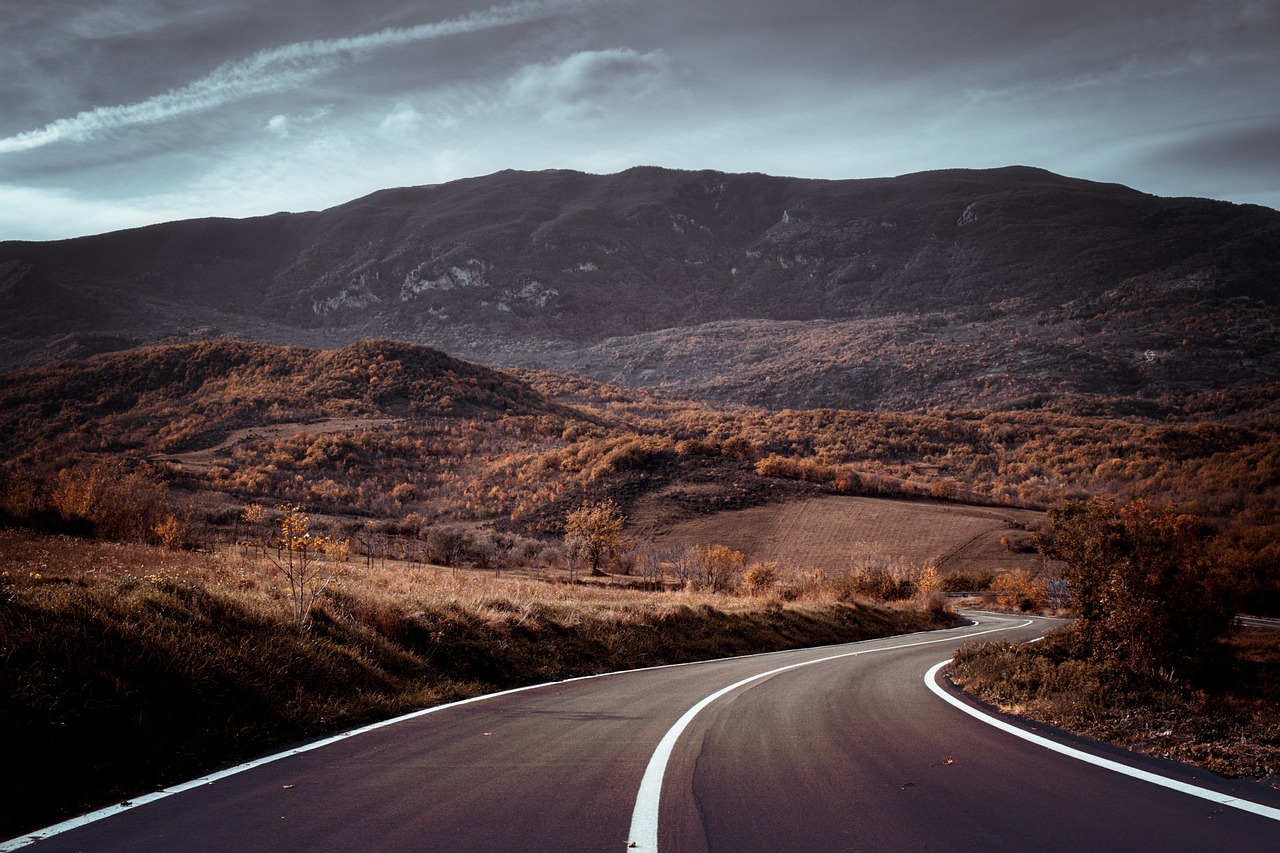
[
  {"x": 955, "y": 288},
  {"x": 164, "y": 399},
  {"x": 297, "y": 420}
]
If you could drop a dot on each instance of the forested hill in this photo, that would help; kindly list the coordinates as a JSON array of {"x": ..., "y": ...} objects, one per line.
[{"x": 185, "y": 395}]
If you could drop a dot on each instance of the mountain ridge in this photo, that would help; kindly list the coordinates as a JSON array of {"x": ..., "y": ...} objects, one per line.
[{"x": 543, "y": 269}]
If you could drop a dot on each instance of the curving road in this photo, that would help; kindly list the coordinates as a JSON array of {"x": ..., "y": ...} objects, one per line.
[{"x": 834, "y": 749}]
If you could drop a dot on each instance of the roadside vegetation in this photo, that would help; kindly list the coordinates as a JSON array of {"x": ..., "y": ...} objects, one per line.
[
  {"x": 410, "y": 442},
  {"x": 1151, "y": 661}
]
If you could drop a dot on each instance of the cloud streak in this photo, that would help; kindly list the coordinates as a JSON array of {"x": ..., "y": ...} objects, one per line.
[
  {"x": 590, "y": 82},
  {"x": 275, "y": 70}
]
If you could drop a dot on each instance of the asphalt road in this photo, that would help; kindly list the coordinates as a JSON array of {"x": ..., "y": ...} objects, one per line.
[{"x": 835, "y": 749}]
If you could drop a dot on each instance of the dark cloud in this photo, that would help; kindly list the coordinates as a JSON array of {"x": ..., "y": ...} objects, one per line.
[
  {"x": 71, "y": 56},
  {"x": 284, "y": 68},
  {"x": 1251, "y": 153}
]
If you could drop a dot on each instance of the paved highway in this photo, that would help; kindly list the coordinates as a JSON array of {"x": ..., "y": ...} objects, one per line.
[{"x": 835, "y": 749}]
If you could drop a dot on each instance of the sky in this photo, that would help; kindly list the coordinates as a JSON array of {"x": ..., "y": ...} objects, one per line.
[{"x": 120, "y": 113}]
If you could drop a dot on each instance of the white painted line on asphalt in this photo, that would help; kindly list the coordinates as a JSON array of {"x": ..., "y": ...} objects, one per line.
[
  {"x": 644, "y": 818},
  {"x": 930, "y": 680},
  {"x": 108, "y": 811},
  {"x": 94, "y": 816}
]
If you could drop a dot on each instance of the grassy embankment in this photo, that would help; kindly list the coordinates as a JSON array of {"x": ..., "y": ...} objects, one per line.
[
  {"x": 1151, "y": 661},
  {"x": 1225, "y": 718},
  {"x": 128, "y": 667}
]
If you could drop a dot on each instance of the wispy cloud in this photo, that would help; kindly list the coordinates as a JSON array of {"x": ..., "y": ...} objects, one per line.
[
  {"x": 584, "y": 84},
  {"x": 278, "y": 69},
  {"x": 404, "y": 116},
  {"x": 283, "y": 125}
]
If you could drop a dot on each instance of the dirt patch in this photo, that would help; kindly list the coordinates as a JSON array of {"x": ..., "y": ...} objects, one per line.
[{"x": 826, "y": 532}]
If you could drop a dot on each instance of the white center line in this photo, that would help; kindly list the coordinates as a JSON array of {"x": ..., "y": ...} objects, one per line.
[{"x": 644, "y": 818}]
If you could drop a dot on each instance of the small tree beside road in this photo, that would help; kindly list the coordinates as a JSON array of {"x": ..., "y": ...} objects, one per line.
[{"x": 302, "y": 557}]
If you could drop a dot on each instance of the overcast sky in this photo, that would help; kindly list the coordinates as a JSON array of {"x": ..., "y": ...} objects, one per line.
[{"x": 116, "y": 113}]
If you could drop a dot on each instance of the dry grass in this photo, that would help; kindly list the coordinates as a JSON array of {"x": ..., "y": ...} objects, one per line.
[
  {"x": 1226, "y": 719},
  {"x": 128, "y": 666}
]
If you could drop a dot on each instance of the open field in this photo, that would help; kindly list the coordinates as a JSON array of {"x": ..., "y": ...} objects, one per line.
[{"x": 835, "y": 532}]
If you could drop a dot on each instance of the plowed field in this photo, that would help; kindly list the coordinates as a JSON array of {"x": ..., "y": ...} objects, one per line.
[{"x": 832, "y": 532}]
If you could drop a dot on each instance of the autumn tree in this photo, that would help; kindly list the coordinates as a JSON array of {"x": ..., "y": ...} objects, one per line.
[
  {"x": 719, "y": 566},
  {"x": 761, "y": 578},
  {"x": 300, "y": 553},
  {"x": 593, "y": 532},
  {"x": 1139, "y": 582}
]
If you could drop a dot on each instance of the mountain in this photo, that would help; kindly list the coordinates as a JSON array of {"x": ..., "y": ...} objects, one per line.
[{"x": 1004, "y": 288}]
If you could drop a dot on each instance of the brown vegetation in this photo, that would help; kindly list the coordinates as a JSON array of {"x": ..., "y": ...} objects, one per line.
[
  {"x": 1227, "y": 721},
  {"x": 1145, "y": 663},
  {"x": 1142, "y": 591},
  {"x": 404, "y": 436}
]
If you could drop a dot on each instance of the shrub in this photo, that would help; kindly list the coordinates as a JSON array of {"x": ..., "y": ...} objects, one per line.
[
  {"x": 104, "y": 498},
  {"x": 1139, "y": 582},
  {"x": 869, "y": 580},
  {"x": 761, "y": 578},
  {"x": 299, "y": 556},
  {"x": 974, "y": 581},
  {"x": 1020, "y": 589}
]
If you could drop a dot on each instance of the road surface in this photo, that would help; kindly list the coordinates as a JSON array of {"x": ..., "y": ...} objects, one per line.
[
  {"x": 842, "y": 748},
  {"x": 1258, "y": 622}
]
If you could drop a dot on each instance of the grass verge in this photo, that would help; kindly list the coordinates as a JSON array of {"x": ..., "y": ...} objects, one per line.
[
  {"x": 1226, "y": 719},
  {"x": 127, "y": 668}
]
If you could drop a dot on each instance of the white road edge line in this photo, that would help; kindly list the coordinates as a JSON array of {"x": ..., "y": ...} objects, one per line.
[
  {"x": 106, "y": 812},
  {"x": 93, "y": 817},
  {"x": 930, "y": 680},
  {"x": 644, "y": 818}
]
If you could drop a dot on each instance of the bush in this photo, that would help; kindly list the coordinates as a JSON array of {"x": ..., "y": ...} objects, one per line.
[
  {"x": 761, "y": 578},
  {"x": 975, "y": 581},
  {"x": 104, "y": 498},
  {"x": 717, "y": 568},
  {"x": 879, "y": 583},
  {"x": 1139, "y": 583}
]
